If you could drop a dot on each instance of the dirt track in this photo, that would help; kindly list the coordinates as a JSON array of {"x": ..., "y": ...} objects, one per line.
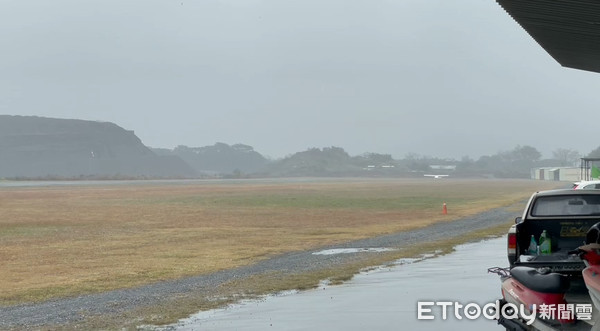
[{"x": 53, "y": 313}]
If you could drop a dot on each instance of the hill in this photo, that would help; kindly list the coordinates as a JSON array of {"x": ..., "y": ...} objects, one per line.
[
  {"x": 39, "y": 147},
  {"x": 333, "y": 162},
  {"x": 220, "y": 158}
]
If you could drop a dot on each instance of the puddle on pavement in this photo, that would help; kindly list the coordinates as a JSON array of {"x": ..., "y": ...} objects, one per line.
[
  {"x": 353, "y": 250},
  {"x": 381, "y": 299}
]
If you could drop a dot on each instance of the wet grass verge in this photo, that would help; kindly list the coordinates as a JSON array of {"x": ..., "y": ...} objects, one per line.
[{"x": 256, "y": 286}]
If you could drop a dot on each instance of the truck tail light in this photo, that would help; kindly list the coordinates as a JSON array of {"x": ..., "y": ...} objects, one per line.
[{"x": 512, "y": 243}]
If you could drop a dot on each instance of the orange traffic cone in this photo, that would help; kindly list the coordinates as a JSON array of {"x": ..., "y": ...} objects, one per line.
[{"x": 444, "y": 209}]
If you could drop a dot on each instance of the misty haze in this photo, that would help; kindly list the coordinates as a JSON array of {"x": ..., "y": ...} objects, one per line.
[
  {"x": 162, "y": 161},
  {"x": 436, "y": 78},
  {"x": 45, "y": 148}
]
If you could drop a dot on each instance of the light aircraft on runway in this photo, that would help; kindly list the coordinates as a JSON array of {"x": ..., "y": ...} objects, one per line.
[{"x": 436, "y": 176}]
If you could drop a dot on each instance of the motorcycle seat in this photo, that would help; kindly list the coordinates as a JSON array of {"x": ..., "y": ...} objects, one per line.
[{"x": 540, "y": 282}]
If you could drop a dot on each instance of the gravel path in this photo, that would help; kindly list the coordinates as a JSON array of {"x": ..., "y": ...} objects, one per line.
[{"x": 56, "y": 312}]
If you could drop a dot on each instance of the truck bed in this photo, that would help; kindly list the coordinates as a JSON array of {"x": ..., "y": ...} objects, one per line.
[
  {"x": 559, "y": 261},
  {"x": 565, "y": 236}
]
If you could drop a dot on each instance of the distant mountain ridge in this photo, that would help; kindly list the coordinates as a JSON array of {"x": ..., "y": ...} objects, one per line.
[
  {"x": 48, "y": 148},
  {"x": 39, "y": 147},
  {"x": 51, "y": 148}
]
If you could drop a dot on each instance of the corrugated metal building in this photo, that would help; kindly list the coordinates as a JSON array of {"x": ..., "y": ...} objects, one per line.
[
  {"x": 570, "y": 174},
  {"x": 569, "y": 30}
]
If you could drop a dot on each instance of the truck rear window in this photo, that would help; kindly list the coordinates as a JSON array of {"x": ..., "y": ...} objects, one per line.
[{"x": 567, "y": 205}]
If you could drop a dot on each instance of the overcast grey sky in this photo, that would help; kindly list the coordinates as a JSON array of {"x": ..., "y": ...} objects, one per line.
[{"x": 436, "y": 77}]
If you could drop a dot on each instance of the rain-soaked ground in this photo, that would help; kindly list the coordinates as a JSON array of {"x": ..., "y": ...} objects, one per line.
[{"x": 381, "y": 299}]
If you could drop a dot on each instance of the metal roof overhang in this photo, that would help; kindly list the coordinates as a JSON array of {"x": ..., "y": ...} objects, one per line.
[{"x": 569, "y": 30}]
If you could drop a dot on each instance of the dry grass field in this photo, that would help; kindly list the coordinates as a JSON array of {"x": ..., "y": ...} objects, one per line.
[{"x": 69, "y": 240}]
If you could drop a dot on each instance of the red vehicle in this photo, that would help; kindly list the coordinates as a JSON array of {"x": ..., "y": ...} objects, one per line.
[{"x": 590, "y": 254}]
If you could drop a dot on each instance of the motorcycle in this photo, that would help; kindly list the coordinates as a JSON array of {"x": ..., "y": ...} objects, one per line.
[
  {"x": 590, "y": 254},
  {"x": 532, "y": 298}
]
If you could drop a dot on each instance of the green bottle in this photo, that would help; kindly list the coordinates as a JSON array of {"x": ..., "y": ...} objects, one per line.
[
  {"x": 545, "y": 244},
  {"x": 532, "y": 246}
]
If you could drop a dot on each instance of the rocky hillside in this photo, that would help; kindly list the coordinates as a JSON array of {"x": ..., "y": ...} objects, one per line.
[{"x": 38, "y": 147}]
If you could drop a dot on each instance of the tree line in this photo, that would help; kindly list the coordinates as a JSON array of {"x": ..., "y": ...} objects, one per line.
[{"x": 335, "y": 161}]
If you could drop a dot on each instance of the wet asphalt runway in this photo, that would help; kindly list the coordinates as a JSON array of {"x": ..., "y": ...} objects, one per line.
[{"x": 382, "y": 299}]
